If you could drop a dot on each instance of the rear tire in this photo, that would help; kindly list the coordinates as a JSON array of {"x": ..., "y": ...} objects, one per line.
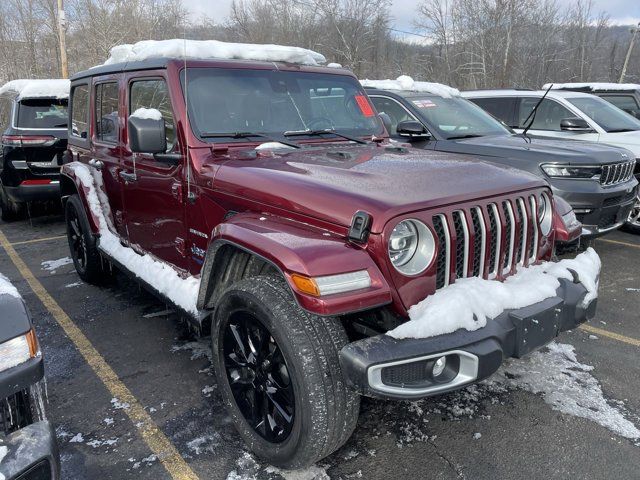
[
  {"x": 9, "y": 210},
  {"x": 302, "y": 377},
  {"x": 82, "y": 242}
]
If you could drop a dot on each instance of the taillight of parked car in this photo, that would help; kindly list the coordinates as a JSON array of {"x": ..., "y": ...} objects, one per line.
[{"x": 28, "y": 140}]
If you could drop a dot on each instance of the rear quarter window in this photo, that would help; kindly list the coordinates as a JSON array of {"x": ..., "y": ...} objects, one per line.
[
  {"x": 42, "y": 113},
  {"x": 501, "y": 108}
]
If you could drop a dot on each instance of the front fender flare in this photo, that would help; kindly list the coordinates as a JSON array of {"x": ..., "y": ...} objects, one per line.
[
  {"x": 294, "y": 247},
  {"x": 70, "y": 181}
]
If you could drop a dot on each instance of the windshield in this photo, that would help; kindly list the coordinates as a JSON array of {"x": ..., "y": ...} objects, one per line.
[
  {"x": 274, "y": 102},
  {"x": 609, "y": 117},
  {"x": 457, "y": 117},
  {"x": 42, "y": 113}
]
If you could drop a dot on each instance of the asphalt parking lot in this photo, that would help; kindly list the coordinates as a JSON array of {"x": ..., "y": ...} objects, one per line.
[{"x": 132, "y": 396}]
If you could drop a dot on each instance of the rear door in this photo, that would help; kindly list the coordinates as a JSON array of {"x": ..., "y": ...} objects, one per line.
[{"x": 153, "y": 191}]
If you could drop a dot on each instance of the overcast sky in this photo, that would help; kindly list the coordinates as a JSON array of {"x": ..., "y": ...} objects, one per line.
[{"x": 623, "y": 12}]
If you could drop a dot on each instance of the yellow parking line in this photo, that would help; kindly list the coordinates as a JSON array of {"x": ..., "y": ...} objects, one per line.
[
  {"x": 151, "y": 434},
  {"x": 618, "y": 242},
  {"x": 613, "y": 335},
  {"x": 36, "y": 240}
]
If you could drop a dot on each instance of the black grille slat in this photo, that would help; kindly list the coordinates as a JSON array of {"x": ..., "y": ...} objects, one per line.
[
  {"x": 507, "y": 230},
  {"x": 531, "y": 219},
  {"x": 439, "y": 227},
  {"x": 477, "y": 242},
  {"x": 615, "y": 173},
  {"x": 15, "y": 412},
  {"x": 460, "y": 244}
]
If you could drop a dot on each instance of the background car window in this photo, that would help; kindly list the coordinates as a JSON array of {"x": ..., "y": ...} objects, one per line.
[
  {"x": 501, "y": 108},
  {"x": 627, "y": 103},
  {"x": 154, "y": 94},
  {"x": 107, "y": 112},
  {"x": 609, "y": 117},
  {"x": 42, "y": 113},
  {"x": 395, "y": 111},
  {"x": 548, "y": 117},
  {"x": 80, "y": 111}
]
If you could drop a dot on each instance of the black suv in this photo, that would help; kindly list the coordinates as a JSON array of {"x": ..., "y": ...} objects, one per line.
[{"x": 33, "y": 121}]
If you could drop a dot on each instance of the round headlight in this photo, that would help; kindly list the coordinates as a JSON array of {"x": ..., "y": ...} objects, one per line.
[
  {"x": 411, "y": 247},
  {"x": 545, "y": 214}
]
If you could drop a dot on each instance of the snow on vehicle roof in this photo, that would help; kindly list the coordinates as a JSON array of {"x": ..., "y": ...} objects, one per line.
[
  {"x": 40, "y": 88},
  {"x": 523, "y": 93},
  {"x": 408, "y": 84},
  {"x": 593, "y": 86},
  {"x": 7, "y": 288},
  {"x": 212, "y": 49}
]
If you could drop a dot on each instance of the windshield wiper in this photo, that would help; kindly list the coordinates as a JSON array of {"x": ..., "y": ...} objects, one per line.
[
  {"x": 532, "y": 114},
  {"x": 57, "y": 125},
  {"x": 620, "y": 130},
  {"x": 293, "y": 133},
  {"x": 468, "y": 135},
  {"x": 249, "y": 135}
]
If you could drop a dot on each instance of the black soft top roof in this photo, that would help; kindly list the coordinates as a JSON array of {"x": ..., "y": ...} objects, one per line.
[{"x": 150, "y": 64}]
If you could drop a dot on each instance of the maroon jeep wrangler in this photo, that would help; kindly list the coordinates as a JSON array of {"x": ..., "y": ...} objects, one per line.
[{"x": 265, "y": 200}]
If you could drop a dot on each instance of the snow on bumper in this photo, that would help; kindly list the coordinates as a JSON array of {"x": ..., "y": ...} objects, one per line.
[
  {"x": 408, "y": 368},
  {"x": 31, "y": 452}
]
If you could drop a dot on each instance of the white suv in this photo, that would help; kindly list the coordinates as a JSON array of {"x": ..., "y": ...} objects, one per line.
[{"x": 566, "y": 114}]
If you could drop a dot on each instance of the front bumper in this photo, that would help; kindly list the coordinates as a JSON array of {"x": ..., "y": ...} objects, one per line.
[
  {"x": 32, "y": 454},
  {"x": 599, "y": 209},
  {"x": 385, "y": 367}
]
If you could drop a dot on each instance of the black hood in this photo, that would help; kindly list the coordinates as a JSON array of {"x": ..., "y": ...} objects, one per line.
[{"x": 535, "y": 149}]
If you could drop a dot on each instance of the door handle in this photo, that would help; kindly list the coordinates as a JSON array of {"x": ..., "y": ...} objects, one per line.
[
  {"x": 97, "y": 164},
  {"x": 128, "y": 177}
]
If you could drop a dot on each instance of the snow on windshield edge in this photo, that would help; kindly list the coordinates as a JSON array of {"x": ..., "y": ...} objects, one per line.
[{"x": 470, "y": 302}]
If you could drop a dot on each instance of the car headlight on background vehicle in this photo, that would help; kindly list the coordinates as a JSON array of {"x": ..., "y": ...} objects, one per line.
[
  {"x": 411, "y": 247},
  {"x": 569, "y": 171},
  {"x": 18, "y": 350},
  {"x": 545, "y": 214}
]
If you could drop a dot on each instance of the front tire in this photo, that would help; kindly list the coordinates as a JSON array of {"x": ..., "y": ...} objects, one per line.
[
  {"x": 82, "y": 242},
  {"x": 280, "y": 375},
  {"x": 633, "y": 221}
]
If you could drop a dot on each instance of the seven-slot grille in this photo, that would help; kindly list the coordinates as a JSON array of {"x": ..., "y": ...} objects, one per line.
[
  {"x": 486, "y": 241},
  {"x": 617, "y": 172}
]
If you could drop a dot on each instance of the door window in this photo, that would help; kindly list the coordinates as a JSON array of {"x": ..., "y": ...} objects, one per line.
[
  {"x": 107, "y": 112},
  {"x": 548, "y": 116},
  {"x": 154, "y": 94},
  {"x": 80, "y": 111},
  {"x": 396, "y": 112},
  {"x": 624, "y": 102}
]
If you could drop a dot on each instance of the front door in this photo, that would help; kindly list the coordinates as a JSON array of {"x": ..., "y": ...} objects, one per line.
[{"x": 153, "y": 191}]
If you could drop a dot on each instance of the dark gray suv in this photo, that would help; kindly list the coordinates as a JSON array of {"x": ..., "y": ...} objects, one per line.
[{"x": 596, "y": 180}]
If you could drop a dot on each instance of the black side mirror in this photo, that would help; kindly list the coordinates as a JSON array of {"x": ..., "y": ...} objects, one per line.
[
  {"x": 412, "y": 130},
  {"x": 575, "y": 125},
  {"x": 147, "y": 135},
  {"x": 386, "y": 121}
]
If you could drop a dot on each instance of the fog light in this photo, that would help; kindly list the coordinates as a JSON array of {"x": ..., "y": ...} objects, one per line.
[{"x": 439, "y": 366}]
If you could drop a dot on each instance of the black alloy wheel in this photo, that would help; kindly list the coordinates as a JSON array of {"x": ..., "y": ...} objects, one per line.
[{"x": 259, "y": 377}]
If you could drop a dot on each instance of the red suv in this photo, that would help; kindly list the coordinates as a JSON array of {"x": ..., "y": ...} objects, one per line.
[{"x": 265, "y": 200}]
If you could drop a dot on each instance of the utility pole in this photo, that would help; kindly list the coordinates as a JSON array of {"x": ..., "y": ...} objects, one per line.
[
  {"x": 62, "y": 29},
  {"x": 634, "y": 32}
]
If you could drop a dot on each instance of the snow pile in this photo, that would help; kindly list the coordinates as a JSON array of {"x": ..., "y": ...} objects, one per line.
[
  {"x": 567, "y": 385},
  {"x": 42, "y": 88},
  {"x": 272, "y": 146},
  {"x": 470, "y": 302},
  {"x": 408, "y": 84},
  {"x": 147, "y": 113},
  {"x": 592, "y": 86},
  {"x": 212, "y": 49},
  {"x": 7, "y": 288},
  {"x": 164, "y": 278}
]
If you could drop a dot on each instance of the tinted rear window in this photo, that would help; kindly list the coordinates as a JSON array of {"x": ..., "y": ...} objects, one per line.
[{"x": 42, "y": 113}]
